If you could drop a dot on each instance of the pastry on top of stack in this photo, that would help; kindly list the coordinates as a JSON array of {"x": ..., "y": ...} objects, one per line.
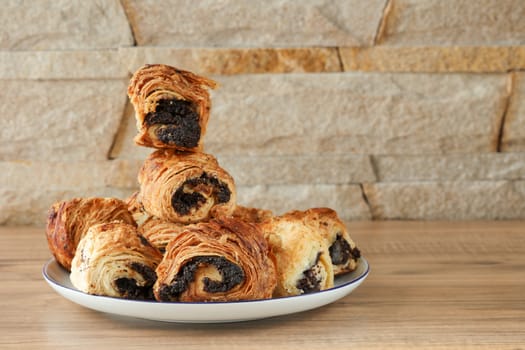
[{"x": 172, "y": 107}]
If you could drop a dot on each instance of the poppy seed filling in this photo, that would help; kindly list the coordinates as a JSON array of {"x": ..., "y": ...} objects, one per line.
[
  {"x": 311, "y": 282},
  {"x": 129, "y": 288},
  {"x": 178, "y": 120},
  {"x": 231, "y": 274},
  {"x": 182, "y": 201},
  {"x": 341, "y": 251}
]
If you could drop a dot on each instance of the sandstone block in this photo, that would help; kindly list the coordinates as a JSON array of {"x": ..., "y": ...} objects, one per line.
[
  {"x": 68, "y": 176},
  {"x": 124, "y": 173},
  {"x": 220, "y": 61},
  {"x": 458, "y": 200},
  {"x": 431, "y": 59},
  {"x": 59, "y": 120},
  {"x": 28, "y": 189},
  {"x": 363, "y": 113},
  {"x": 25, "y": 207},
  {"x": 124, "y": 147},
  {"x": 453, "y": 167},
  {"x": 42, "y": 176},
  {"x": 78, "y": 64},
  {"x": 307, "y": 169},
  {"x": 63, "y": 24},
  {"x": 513, "y": 139},
  {"x": 454, "y": 22},
  {"x": 273, "y": 23},
  {"x": 347, "y": 200}
]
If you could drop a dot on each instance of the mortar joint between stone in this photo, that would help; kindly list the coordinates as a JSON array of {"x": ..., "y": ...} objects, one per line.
[
  {"x": 381, "y": 28},
  {"x": 508, "y": 99},
  {"x": 366, "y": 200}
]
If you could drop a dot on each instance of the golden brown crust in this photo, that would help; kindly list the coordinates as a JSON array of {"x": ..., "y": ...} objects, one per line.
[
  {"x": 302, "y": 256},
  {"x": 112, "y": 259},
  {"x": 228, "y": 260},
  {"x": 68, "y": 221},
  {"x": 136, "y": 208},
  {"x": 185, "y": 187},
  {"x": 155, "y": 82},
  {"x": 160, "y": 232},
  {"x": 249, "y": 214}
]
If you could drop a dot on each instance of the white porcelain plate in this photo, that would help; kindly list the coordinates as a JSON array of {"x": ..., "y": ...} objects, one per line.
[{"x": 58, "y": 279}]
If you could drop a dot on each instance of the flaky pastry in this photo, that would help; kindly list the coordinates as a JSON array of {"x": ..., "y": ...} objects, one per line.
[
  {"x": 172, "y": 107},
  {"x": 68, "y": 221},
  {"x": 344, "y": 253},
  {"x": 221, "y": 260},
  {"x": 185, "y": 187},
  {"x": 112, "y": 259},
  {"x": 302, "y": 256}
]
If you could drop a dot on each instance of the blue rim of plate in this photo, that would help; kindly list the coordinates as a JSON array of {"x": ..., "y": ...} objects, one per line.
[{"x": 354, "y": 280}]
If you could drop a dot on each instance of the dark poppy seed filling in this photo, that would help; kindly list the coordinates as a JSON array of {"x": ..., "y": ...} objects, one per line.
[
  {"x": 129, "y": 288},
  {"x": 231, "y": 274},
  {"x": 311, "y": 282},
  {"x": 144, "y": 241},
  {"x": 182, "y": 202},
  {"x": 356, "y": 253},
  {"x": 340, "y": 251},
  {"x": 179, "y": 122}
]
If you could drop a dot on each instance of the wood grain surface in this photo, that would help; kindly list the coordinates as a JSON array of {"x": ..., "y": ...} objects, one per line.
[{"x": 434, "y": 285}]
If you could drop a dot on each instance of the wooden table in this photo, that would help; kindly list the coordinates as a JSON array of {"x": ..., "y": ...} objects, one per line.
[{"x": 432, "y": 285}]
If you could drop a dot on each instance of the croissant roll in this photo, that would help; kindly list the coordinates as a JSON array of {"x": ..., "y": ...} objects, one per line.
[
  {"x": 185, "y": 187},
  {"x": 68, "y": 222},
  {"x": 221, "y": 260},
  {"x": 113, "y": 260},
  {"x": 136, "y": 209},
  {"x": 172, "y": 107},
  {"x": 249, "y": 214},
  {"x": 302, "y": 257},
  {"x": 344, "y": 253},
  {"x": 160, "y": 232}
]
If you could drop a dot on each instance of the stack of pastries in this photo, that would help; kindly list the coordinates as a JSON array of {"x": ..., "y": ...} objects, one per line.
[{"x": 182, "y": 236}]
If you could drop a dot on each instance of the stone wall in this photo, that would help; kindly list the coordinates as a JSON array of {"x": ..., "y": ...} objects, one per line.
[{"x": 380, "y": 109}]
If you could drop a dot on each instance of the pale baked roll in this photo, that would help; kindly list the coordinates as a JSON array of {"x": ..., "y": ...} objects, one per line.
[
  {"x": 160, "y": 232},
  {"x": 172, "y": 107},
  {"x": 302, "y": 257},
  {"x": 185, "y": 187},
  {"x": 222, "y": 260},
  {"x": 113, "y": 260},
  {"x": 68, "y": 221},
  {"x": 344, "y": 253}
]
